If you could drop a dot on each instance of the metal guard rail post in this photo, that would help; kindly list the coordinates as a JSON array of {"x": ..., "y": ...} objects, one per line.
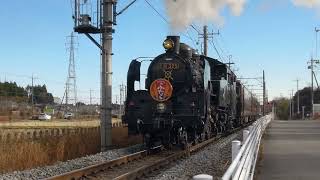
[{"x": 244, "y": 163}]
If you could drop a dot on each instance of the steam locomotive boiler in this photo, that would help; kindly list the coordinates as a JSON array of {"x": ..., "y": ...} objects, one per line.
[{"x": 188, "y": 98}]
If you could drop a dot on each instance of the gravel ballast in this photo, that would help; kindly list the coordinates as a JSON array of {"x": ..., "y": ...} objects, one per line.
[
  {"x": 63, "y": 167},
  {"x": 213, "y": 160}
]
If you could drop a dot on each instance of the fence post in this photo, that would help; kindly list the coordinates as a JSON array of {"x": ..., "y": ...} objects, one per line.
[
  {"x": 235, "y": 148},
  {"x": 245, "y": 135},
  {"x": 250, "y": 128},
  {"x": 202, "y": 177}
]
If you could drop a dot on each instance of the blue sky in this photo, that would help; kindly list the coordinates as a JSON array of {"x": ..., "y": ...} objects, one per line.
[{"x": 278, "y": 38}]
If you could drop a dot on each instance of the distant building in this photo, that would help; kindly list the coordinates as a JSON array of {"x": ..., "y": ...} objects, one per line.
[{"x": 56, "y": 100}]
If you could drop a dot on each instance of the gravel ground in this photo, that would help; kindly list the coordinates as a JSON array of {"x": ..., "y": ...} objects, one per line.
[
  {"x": 212, "y": 160},
  {"x": 63, "y": 167}
]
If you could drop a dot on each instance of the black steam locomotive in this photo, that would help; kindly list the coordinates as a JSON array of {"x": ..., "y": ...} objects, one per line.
[{"x": 188, "y": 98}]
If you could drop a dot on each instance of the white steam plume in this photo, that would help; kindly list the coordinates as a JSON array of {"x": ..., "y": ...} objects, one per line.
[
  {"x": 307, "y": 3},
  {"x": 184, "y": 12}
]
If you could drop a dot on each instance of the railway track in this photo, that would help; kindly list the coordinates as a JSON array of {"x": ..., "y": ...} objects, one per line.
[{"x": 133, "y": 166}]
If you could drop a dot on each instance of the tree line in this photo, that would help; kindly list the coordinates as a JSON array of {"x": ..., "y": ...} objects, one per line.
[
  {"x": 283, "y": 104},
  {"x": 10, "y": 90}
]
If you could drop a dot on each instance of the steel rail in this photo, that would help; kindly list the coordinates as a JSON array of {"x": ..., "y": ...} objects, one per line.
[
  {"x": 90, "y": 171},
  {"x": 77, "y": 174},
  {"x": 144, "y": 170},
  {"x": 139, "y": 172},
  {"x": 94, "y": 169}
]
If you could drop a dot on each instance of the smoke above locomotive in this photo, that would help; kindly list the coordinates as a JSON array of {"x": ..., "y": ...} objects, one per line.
[
  {"x": 183, "y": 13},
  {"x": 187, "y": 98}
]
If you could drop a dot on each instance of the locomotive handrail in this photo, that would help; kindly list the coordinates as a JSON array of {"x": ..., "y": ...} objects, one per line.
[{"x": 243, "y": 165}]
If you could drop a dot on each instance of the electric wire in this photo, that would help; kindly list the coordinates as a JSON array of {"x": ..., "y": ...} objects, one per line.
[
  {"x": 159, "y": 14},
  {"x": 223, "y": 54},
  {"x": 193, "y": 27},
  {"x": 215, "y": 48},
  {"x": 193, "y": 41}
]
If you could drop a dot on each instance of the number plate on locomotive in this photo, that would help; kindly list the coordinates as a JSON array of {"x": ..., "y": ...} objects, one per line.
[{"x": 169, "y": 66}]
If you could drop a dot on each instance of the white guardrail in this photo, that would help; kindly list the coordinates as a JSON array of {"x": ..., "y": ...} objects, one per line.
[{"x": 244, "y": 157}]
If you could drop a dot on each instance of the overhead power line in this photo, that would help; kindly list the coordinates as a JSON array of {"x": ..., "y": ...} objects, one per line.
[
  {"x": 163, "y": 18},
  {"x": 193, "y": 27},
  {"x": 215, "y": 48}
]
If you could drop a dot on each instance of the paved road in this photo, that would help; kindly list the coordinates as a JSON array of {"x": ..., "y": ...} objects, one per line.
[{"x": 291, "y": 151}]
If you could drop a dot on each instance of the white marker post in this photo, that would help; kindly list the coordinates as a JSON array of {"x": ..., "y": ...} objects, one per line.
[
  {"x": 235, "y": 148},
  {"x": 245, "y": 135},
  {"x": 202, "y": 177}
]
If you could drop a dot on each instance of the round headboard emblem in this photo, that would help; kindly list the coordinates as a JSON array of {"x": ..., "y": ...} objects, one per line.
[{"x": 161, "y": 90}]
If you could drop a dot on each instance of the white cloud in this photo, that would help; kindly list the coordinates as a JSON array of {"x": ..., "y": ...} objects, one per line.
[
  {"x": 307, "y": 3},
  {"x": 182, "y": 13}
]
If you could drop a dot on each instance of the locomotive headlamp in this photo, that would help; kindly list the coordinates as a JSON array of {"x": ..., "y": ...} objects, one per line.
[
  {"x": 168, "y": 44},
  {"x": 161, "y": 107}
]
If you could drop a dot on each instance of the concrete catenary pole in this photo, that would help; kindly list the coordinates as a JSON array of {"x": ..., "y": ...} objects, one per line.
[
  {"x": 106, "y": 73},
  {"x": 292, "y": 104},
  {"x": 312, "y": 61},
  {"x": 90, "y": 91},
  {"x": 290, "y": 107},
  {"x": 298, "y": 98},
  {"x": 312, "y": 87},
  {"x": 32, "y": 103},
  {"x": 264, "y": 94},
  {"x": 205, "y": 40}
]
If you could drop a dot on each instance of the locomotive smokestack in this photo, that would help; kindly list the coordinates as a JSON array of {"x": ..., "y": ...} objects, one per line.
[{"x": 176, "y": 42}]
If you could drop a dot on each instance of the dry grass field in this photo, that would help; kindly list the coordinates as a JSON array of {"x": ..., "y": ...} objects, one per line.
[
  {"x": 24, "y": 154},
  {"x": 21, "y": 152}
]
